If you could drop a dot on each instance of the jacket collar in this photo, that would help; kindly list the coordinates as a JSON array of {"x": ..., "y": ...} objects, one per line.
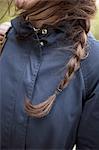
[{"x": 24, "y": 28}]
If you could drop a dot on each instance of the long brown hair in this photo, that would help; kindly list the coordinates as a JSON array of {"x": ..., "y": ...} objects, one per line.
[{"x": 76, "y": 12}]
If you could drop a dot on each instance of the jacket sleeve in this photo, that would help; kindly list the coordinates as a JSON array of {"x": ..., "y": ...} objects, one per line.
[{"x": 88, "y": 130}]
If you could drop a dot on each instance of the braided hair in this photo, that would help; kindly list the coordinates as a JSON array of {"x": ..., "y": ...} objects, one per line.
[{"x": 78, "y": 14}]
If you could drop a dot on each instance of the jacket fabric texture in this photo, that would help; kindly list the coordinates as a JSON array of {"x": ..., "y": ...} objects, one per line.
[{"x": 33, "y": 66}]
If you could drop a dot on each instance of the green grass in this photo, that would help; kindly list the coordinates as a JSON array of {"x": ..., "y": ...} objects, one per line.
[
  {"x": 3, "y": 9},
  {"x": 95, "y": 26}
]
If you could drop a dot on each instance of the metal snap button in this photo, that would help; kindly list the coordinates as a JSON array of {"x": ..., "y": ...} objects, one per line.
[
  {"x": 42, "y": 43},
  {"x": 44, "y": 31}
]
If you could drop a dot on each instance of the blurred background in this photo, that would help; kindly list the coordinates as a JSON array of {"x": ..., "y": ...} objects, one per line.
[
  {"x": 7, "y": 17},
  {"x": 95, "y": 23}
]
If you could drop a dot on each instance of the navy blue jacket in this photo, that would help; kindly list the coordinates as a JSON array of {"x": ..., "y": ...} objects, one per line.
[{"x": 33, "y": 66}]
